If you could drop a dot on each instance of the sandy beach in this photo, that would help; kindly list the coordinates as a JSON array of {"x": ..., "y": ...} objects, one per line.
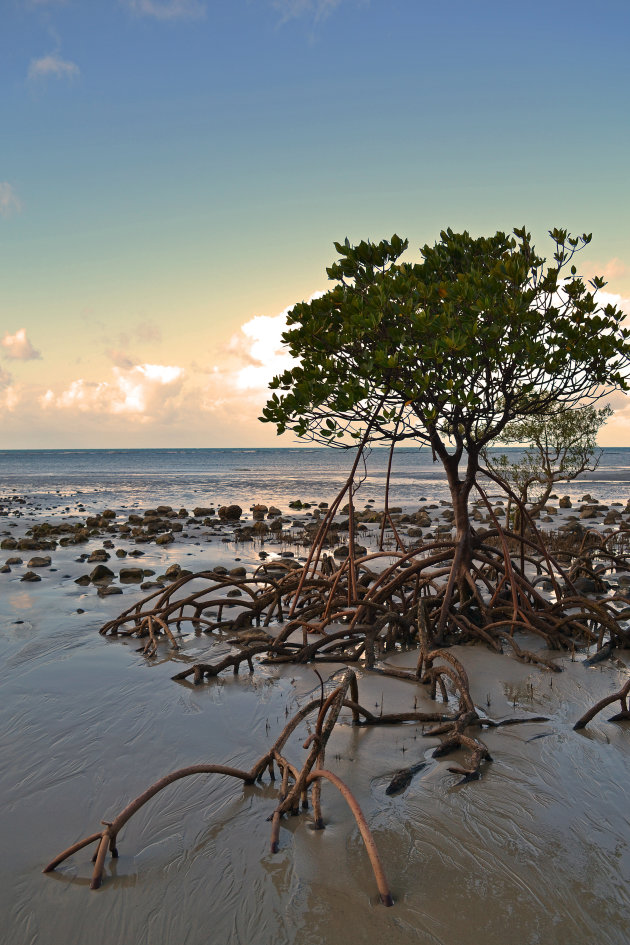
[{"x": 538, "y": 847}]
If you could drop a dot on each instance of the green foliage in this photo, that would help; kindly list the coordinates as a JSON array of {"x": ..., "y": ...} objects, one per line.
[
  {"x": 558, "y": 447},
  {"x": 448, "y": 350}
]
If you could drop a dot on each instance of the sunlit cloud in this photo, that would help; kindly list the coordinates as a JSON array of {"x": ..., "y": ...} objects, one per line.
[
  {"x": 17, "y": 347},
  {"x": 613, "y": 298},
  {"x": 168, "y": 9},
  {"x": 52, "y": 66},
  {"x": 259, "y": 344},
  {"x": 5, "y": 378},
  {"x": 142, "y": 392},
  {"x": 9, "y": 201}
]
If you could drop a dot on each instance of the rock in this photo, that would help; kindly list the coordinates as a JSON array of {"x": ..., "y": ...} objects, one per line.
[
  {"x": 150, "y": 585},
  {"x": 422, "y": 518},
  {"x": 108, "y": 513},
  {"x": 273, "y": 512},
  {"x": 8, "y": 544},
  {"x": 30, "y": 576},
  {"x": 201, "y": 511},
  {"x": 565, "y": 502},
  {"x": 586, "y": 585},
  {"x": 41, "y": 562},
  {"x": 165, "y": 539},
  {"x": 99, "y": 555},
  {"x": 136, "y": 553},
  {"x": 588, "y": 498},
  {"x": 83, "y": 580},
  {"x": 589, "y": 511},
  {"x": 259, "y": 511},
  {"x": 235, "y": 593},
  {"x": 28, "y": 544},
  {"x": 414, "y": 532},
  {"x": 611, "y": 517},
  {"x": 101, "y": 573},
  {"x": 343, "y": 551},
  {"x": 108, "y": 590},
  {"x": 131, "y": 575},
  {"x": 108, "y": 543},
  {"x": 121, "y": 553},
  {"x": 220, "y": 569},
  {"x": 5, "y": 569},
  {"x": 238, "y": 572},
  {"x": 13, "y": 560},
  {"x": 231, "y": 513}
]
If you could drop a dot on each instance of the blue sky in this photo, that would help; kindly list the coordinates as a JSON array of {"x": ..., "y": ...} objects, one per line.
[{"x": 173, "y": 174}]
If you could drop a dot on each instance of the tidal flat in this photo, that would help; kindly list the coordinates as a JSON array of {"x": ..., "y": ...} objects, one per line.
[{"x": 537, "y": 850}]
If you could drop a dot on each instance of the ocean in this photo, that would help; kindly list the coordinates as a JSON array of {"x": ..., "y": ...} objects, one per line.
[{"x": 125, "y": 478}]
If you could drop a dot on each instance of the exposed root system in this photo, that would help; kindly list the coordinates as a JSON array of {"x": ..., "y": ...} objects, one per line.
[{"x": 495, "y": 588}]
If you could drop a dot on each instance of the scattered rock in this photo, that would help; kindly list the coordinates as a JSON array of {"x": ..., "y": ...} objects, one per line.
[
  {"x": 230, "y": 513},
  {"x": 165, "y": 539},
  {"x": 83, "y": 580},
  {"x": 42, "y": 562},
  {"x": 101, "y": 573},
  {"x": 108, "y": 590},
  {"x": 99, "y": 555},
  {"x": 201, "y": 511},
  {"x": 565, "y": 502},
  {"x": 31, "y": 577},
  {"x": 131, "y": 575}
]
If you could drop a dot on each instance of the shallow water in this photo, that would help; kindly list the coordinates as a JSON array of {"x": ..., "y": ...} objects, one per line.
[{"x": 537, "y": 851}]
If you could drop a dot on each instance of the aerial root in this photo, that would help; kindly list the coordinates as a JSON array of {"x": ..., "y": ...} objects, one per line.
[
  {"x": 291, "y": 795},
  {"x": 623, "y": 715}
]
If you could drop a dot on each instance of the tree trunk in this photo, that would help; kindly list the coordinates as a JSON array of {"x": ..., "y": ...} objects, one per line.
[{"x": 462, "y": 559}]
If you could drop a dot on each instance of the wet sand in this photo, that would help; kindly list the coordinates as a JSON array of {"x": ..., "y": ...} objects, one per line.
[{"x": 537, "y": 851}]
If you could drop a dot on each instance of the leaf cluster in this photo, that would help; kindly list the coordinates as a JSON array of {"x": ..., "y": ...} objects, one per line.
[{"x": 479, "y": 333}]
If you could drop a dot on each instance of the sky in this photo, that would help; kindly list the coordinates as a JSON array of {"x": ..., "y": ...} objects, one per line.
[{"x": 173, "y": 174}]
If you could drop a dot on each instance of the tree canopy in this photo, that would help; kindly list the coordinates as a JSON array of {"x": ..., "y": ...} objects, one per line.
[{"x": 449, "y": 350}]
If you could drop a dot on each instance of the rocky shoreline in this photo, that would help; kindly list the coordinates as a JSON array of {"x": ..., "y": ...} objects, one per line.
[{"x": 229, "y": 535}]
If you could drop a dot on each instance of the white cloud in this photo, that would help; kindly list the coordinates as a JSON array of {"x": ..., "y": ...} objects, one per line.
[
  {"x": 9, "y": 201},
  {"x": 259, "y": 343},
  {"x": 612, "y": 298},
  {"x": 52, "y": 65},
  {"x": 144, "y": 392},
  {"x": 168, "y": 9},
  {"x": 18, "y": 347}
]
